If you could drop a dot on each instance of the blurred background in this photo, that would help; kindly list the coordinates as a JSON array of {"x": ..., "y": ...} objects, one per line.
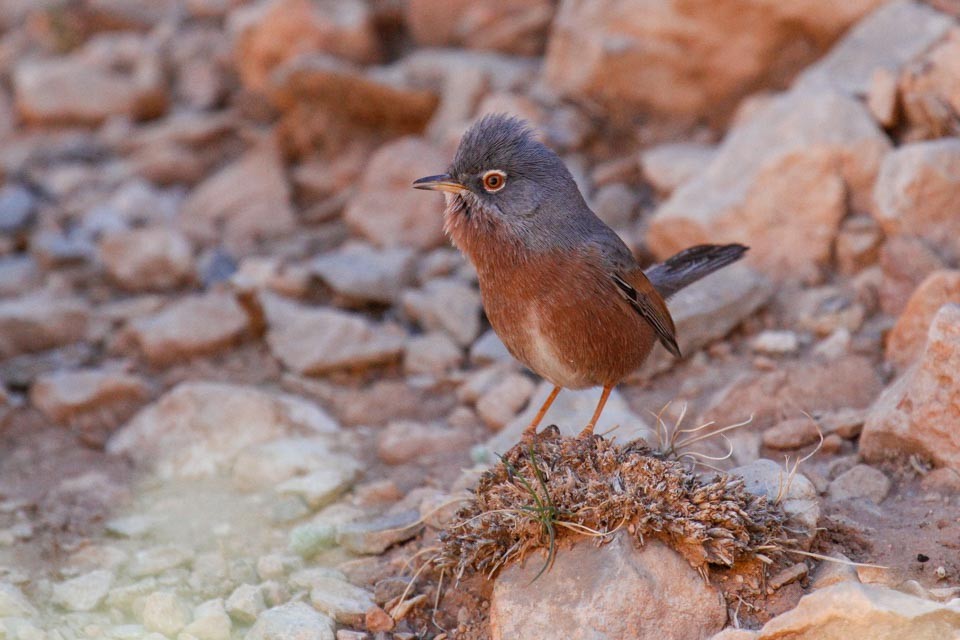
[{"x": 241, "y": 369}]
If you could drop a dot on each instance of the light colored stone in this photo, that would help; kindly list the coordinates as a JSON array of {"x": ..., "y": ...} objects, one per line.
[
  {"x": 313, "y": 340},
  {"x": 904, "y": 262},
  {"x": 362, "y": 273},
  {"x": 341, "y": 600},
  {"x": 830, "y": 573},
  {"x": 776, "y": 342},
  {"x": 930, "y": 90},
  {"x": 112, "y": 75},
  {"x": 155, "y": 560},
  {"x": 501, "y": 403},
  {"x": 245, "y": 201},
  {"x": 433, "y": 353},
  {"x": 385, "y": 210},
  {"x": 245, "y": 604},
  {"x": 917, "y": 413},
  {"x": 191, "y": 326},
  {"x": 795, "y": 494},
  {"x": 510, "y": 26},
  {"x": 792, "y": 433},
  {"x": 448, "y": 305},
  {"x": 292, "y": 621},
  {"x": 405, "y": 440},
  {"x": 199, "y": 428},
  {"x": 852, "y": 610},
  {"x": 319, "y": 488},
  {"x": 861, "y": 481},
  {"x": 265, "y": 464},
  {"x": 916, "y": 193},
  {"x": 13, "y": 602},
  {"x": 780, "y": 182},
  {"x": 85, "y": 592},
  {"x": 888, "y": 38},
  {"x": 373, "y": 536},
  {"x": 685, "y": 60},
  {"x": 269, "y": 33},
  {"x": 210, "y": 622},
  {"x": 668, "y": 166},
  {"x": 148, "y": 259},
  {"x": 164, "y": 613},
  {"x": 882, "y": 96},
  {"x": 63, "y": 395},
  {"x": 489, "y": 348},
  {"x": 41, "y": 321},
  {"x": 907, "y": 337},
  {"x": 604, "y": 593}
]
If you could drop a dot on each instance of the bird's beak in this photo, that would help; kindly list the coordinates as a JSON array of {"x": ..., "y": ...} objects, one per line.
[{"x": 442, "y": 182}]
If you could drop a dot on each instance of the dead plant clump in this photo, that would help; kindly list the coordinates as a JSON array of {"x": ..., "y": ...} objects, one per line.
[{"x": 551, "y": 488}]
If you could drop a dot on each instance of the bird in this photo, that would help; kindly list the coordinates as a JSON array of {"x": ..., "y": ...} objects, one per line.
[{"x": 559, "y": 287}]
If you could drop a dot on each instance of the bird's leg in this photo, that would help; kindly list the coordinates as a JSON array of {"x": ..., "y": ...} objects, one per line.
[
  {"x": 588, "y": 430},
  {"x": 532, "y": 427}
]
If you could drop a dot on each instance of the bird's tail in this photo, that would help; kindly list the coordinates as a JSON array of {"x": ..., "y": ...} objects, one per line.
[{"x": 690, "y": 265}]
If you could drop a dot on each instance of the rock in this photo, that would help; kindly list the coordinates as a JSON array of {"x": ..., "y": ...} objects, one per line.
[
  {"x": 66, "y": 395},
  {"x": 851, "y": 610},
  {"x": 511, "y": 26},
  {"x": 776, "y": 342},
  {"x": 245, "y": 604},
  {"x": 191, "y": 326},
  {"x": 245, "y": 201},
  {"x": 571, "y": 412},
  {"x": 792, "y": 434},
  {"x": 760, "y": 178},
  {"x": 210, "y": 622},
  {"x": 615, "y": 204},
  {"x": 13, "y": 602},
  {"x": 801, "y": 386},
  {"x": 36, "y": 322},
  {"x": 735, "y": 634},
  {"x": 904, "y": 261},
  {"x": 360, "y": 273},
  {"x": 887, "y": 39},
  {"x": 270, "y": 33},
  {"x": 882, "y": 97},
  {"x": 709, "y": 309},
  {"x": 446, "y": 304},
  {"x": 147, "y": 259},
  {"x": 501, "y": 403},
  {"x": 266, "y": 464},
  {"x": 645, "y": 593},
  {"x": 164, "y": 613},
  {"x": 18, "y": 275},
  {"x": 830, "y": 573},
  {"x": 404, "y": 440},
  {"x": 374, "y": 536},
  {"x": 156, "y": 560},
  {"x": 18, "y": 210},
  {"x": 323, "y": 486},
  {"x": 488, "y": 348},
  {"x": 385, "y": 210},
  {"x": 199, "y": 428},
  {"x": 312, "y": 341},
  {"x": 861, "y": 481},
  {"x": 916, "y": 414},
  {"x": 112, "y": 75},
  {"x": 432, "y": 353},
  {"x": 624, "y": 54},
  {"x": 795, "y": 494},
  {"x": 330, "y": 104},
  {"x": 84, "y": 592},
  {"x": 930, "y": 90},
  {"x": 906, "y": 340},
  {"x": 858, "y": 243},
  {"x": 668, "y": 166},
  {"x": 341, "y": 600},
  {"x": 916, "y": 193},
  {"x": 292, "y": 621}
]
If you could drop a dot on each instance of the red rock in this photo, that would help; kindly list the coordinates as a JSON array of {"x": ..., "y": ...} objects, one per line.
[
  {"x": 148, "y": 259},
  {"x": 918, "y": 413},
  {"x": 906, "y": 340},
  {"x": 511, "y": 26},
  {"x": 905, "y": 261},
  {"x": 39, "y": 321},
  {"x": 930, "y": 89}
]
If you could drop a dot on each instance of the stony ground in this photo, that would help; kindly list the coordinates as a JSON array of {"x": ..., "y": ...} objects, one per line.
[{"x": 245, "y": 381}]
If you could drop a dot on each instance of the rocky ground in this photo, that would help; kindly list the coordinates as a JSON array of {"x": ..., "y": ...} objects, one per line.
[{"x": 245, "y": 381}]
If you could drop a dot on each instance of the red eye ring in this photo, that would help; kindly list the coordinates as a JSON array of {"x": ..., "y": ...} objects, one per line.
[{"x": 494, "y": 180}]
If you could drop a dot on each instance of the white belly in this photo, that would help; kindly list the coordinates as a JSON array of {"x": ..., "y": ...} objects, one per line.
[{"x": 546, "y": 360}]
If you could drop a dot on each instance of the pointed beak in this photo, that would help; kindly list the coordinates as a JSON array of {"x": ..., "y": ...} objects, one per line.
[{"x": 442, "y": 182}]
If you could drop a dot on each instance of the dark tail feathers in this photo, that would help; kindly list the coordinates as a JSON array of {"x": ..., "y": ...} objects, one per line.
[{"x": 692, "y": 264}]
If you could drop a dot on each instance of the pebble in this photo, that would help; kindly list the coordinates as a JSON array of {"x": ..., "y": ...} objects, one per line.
[
  {"x": 792, "y": 434},
  {"x": 323, "y": 486},
  {"x": 504, "y": 400},
  {"x": 446, "y": 304},
  {"x": 164, "y": 613},
  {"x": 489, "y": 348},
  {"x": 210, "y": 622},
  {"x": 378, "y": 534},
  {"x": 862, "y": 481},
  {"x": 292, "y": 621},
  {"x": 84, "y": 592},
  {"x": 362, "y": 273},
  {"x": 13, "y": 602},
  {"x": 776, "y": 342},
  {"x": 245, "y": 604},
  {"x": 433, "y": 353},
  {"x": 404, "y": 440},
  {"x": 155, "y": 560},
  {"x": 342, "y": 601}
]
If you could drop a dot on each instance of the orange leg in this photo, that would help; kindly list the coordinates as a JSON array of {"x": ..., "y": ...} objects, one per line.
[
  {"x": 588, "y": 430},
  {"x": 532, "y": 427}
]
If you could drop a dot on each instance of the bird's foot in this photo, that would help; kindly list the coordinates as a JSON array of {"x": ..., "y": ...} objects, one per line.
[{"x": 586, "y": 433}]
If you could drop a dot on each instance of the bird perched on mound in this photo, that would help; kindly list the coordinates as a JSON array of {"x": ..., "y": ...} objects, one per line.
[{"x": 560, "y": 288}]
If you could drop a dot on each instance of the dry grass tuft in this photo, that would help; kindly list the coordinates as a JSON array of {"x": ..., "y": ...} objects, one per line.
[{"x": 551, "y": 488}]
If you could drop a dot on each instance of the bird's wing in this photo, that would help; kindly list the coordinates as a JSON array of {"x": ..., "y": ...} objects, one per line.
[{"x": 645, "y": 300}]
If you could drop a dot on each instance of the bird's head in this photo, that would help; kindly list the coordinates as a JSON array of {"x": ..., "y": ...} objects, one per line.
[{"x": 503, "y": 178}]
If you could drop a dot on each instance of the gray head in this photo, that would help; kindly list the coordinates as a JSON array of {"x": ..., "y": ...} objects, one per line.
[{"x": 502, "y": 175}]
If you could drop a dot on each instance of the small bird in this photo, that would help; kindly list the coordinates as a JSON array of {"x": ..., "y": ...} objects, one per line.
[{"x": 560, "y": 288}]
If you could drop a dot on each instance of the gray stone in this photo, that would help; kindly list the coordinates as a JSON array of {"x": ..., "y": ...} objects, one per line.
[
  {"x": 156, "y": 560},
  {"x": 862, "y": 481},
  {"x": 13, "y": 602},
  {"x": 153, "y": 258},
  {"x": 245, "y": 604},
  {"x": 448, "y": 305},
  {"x": 64, "y": 395},
  {"x": 85, "y": 592},
  {"x": 341, "y": 600},
  {"x": 292, "y": 621},
  {"x": 406, "y": 440},
  {"x": 265, "y": 464},
  {"x": 361, "y": 273},
  {"x": 668, "y": 166},
  {"x": 164, "y": 613},
  {"x": 432, "y": 353},
  {"x": 40, "y": 321},
  {"x": 18, "y": 210},
  {"x": 606, "y": 592},
  {"x": 489, "y": 348},
  {"x": 323, "y": 486},
  {"x": 793, "y": 492},
  {"x": 210, "y": 622},
  {"x": 379, "y": 534},
  {"x": 500, "y": 403}
]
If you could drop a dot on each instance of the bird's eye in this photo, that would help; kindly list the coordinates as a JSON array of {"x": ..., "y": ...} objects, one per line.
[{"x": 494, "y": 180}]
